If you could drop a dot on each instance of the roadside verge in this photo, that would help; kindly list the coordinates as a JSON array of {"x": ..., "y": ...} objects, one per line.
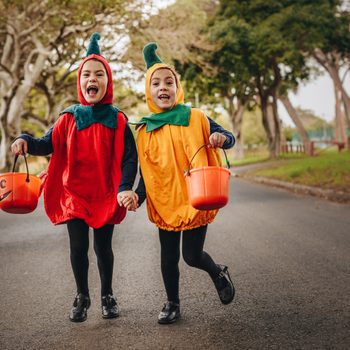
[{"x": 331, "y": 195}]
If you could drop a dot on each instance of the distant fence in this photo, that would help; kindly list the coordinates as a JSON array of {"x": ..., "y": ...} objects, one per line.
[
  {"x": 292, "y": 147},
  {"x": 314, "y": 145}
]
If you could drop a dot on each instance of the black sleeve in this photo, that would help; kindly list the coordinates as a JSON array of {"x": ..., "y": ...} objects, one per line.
[
  {"x": 129, "y": 162},
  {"x": 39, "y": 146},
  {"x": 141, "y": 190},
  {"x": 215, "y": 127}
]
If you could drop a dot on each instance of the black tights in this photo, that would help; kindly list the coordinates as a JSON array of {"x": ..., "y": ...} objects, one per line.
[
  {"x": 79, "y": 245},
  {"x": 192, "y": 252}
]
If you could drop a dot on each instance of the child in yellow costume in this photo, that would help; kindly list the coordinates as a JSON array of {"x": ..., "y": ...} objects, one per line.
[{"x": 166, "y": 142}]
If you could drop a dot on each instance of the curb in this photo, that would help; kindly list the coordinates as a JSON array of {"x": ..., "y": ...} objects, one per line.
[{"x": 340, "y": 197}]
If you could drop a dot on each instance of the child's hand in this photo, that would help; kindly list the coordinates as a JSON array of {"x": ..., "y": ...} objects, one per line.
[
  {"x": 128, "y": 199},
  {"x": 216, "y": 139},
  {"x": 20, "y": 146}
]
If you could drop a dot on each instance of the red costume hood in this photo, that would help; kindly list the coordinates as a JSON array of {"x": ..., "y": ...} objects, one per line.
[{"x": 108, "y": 97}]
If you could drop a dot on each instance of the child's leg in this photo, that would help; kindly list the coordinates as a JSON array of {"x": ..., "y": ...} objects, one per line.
[
  {"x": 79, "y": 245},
  {"x": 193, "y": 254},
  {"x": 105, "y": 258},
  {"x": 170, "y": 256}
]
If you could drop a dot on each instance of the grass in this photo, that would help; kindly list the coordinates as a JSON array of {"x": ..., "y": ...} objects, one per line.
[{"x": 328, "y": 170}]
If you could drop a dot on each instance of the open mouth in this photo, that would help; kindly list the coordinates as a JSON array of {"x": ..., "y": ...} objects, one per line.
[
  {"x": 92, "y": 90},
  {"x": 164, "y": 97}
]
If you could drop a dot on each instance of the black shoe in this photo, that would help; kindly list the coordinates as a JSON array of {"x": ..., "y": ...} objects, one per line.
[
  {"x": 170, "y": 313},
  {"x": 80, "y": 306},
  {"x": 224, "y": 285},
  {"x": 109, "y": 306}
]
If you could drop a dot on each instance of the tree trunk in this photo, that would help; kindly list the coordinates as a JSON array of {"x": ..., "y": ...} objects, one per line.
[
  {"x": 331, "y": 63},
  {"x": 340, "y": 134},
  {"x": 7, "y": 131},
  {"x": 4, "y": 144},
  {"x": 236, "y": 117},
  {"x": 345, "y": 99},
  {"x": 10, "y": 114},
  {"x": 296, "y": 119},
  {"x": 276, "y": 126},
  {"x": 267, "y": 125},
  {"x": 271, "y": 121}
]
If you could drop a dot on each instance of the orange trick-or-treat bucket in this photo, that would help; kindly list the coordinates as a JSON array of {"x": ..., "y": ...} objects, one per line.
[
  {"x": 19, "y": 192},
  {"x": 208, "y": 186}
]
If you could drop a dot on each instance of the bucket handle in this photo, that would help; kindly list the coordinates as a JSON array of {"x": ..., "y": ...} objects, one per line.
[
  {"x": 25, "y": 160},
  {"x": 187, "y": 172}
]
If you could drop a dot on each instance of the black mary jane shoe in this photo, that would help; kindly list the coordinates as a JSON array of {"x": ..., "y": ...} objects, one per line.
[
  {"x": 81, "y": 304},
  {"x": 109, "y": 306},
  {"x": 170, "y": 313},
  {"x": 224, "y": 285}
]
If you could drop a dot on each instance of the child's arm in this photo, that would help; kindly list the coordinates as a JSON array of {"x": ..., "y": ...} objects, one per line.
[
  {"x": 141, "y": 190},
  {"x": 129, "y": 162},
  {"x": 126, "y": 196},
  {"x": 217, "y": 140},
  {"x": 35, "y": 146},
  {"x": 139, "y": 196}
]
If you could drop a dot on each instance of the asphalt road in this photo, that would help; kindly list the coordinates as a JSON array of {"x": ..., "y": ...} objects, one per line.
[{"x": 288, "y": 256}]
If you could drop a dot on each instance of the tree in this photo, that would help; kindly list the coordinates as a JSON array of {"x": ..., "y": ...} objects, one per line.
[
  {"x": 333, "y": 54},
  {"x": 323, "y": 34},
  {"x": 333, "y": 62},
  {"x": 253, "y": 54},
  {"x": 176, "y": 29},
  {"x": 191, "y": 53},
  {"x": 41, "y": 41}
]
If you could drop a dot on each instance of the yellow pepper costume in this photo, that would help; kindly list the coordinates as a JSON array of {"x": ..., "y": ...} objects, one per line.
[{"x": 165, "y": 153}]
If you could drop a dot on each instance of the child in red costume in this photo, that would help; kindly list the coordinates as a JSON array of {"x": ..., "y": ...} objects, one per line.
[{"x": 92, "y": 168}]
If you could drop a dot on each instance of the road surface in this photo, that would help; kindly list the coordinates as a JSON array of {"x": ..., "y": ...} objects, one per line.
[{"x": 288, "y": 256}]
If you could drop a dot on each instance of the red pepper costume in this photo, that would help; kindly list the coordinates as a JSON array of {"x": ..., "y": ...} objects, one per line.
[{"x": 85, "y": 168}]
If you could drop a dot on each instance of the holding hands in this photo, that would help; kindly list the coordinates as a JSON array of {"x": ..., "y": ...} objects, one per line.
[
  {"x": 216, "y": 140},
  {"x": 128, "y": 199}
]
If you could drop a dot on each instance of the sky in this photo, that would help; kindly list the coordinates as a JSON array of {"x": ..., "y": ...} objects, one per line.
[{"x": 317, "y": 95}]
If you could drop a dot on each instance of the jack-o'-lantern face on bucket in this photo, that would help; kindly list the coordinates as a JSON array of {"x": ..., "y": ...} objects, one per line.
[{"x": 4, "y": 191}]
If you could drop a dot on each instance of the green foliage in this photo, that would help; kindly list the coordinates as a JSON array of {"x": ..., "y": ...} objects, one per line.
[
  {"x": 292, "y": 156},
  {"x": 288, "y": 133},
  {"x": 252, "y": 129},
  {"x": 240, "y": 48},
  {"x": 126, "y": 98},
  {"x": 255, "y": 40},
  {"x": 319, "y": 24},
  {"x": 32, "y": 129},
  {"x": 253, "y": 43}
]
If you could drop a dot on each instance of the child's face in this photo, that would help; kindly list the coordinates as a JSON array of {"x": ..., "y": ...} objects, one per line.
[
  {"x": 93, "y": 81},
  {"x": 163, "y": 88}
]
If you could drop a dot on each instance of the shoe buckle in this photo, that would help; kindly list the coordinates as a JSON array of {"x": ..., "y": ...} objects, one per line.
[{"x": 222, "y": 274}]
